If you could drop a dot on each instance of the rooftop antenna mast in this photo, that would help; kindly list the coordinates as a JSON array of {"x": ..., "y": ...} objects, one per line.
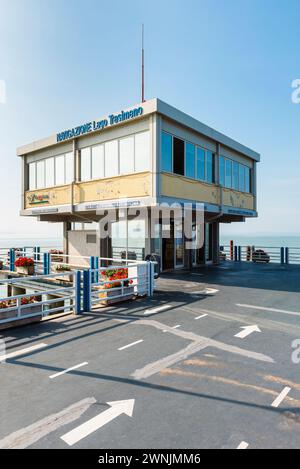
[{"x": 143, "y": 66}]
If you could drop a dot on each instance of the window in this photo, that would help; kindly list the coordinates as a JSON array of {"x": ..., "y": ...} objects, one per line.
[
  {"x": 247, "y": 179},
  {"x": 166, "y": 152},
  {"x": 32, "y": 176},
  {"x": 209, "y": 167},
  {"x": 127, "y": 155},
  {"x": 222, "y": 170},
  {"x": 50, "y": 174},
  {"x": 190, "y": 160},
  {"x": 69, "y": 168},
  {"x": 242, "y": 178},
  {"x": 60, "y": 170},
  {"x": 228, "y": 173},
  {"x": 178, "y": 156},
  {"x": 40, "y": 174},
  {"x": 111, "y": 158},
  {"x": 235, "y": 182},
  {"x": 142, "y": 151},
  {"x": 85, "y": 164},
  {"x": 200, "y": 164},
  {"x": 98, "y": 162}
]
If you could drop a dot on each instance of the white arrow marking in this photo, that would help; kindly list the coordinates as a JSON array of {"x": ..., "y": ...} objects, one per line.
[
  {"x": 116, "y": 409},
  {"x": 247, "y": 331},
  {"x": 243, "y": 445},
  {"x": 207, "y": 291}
]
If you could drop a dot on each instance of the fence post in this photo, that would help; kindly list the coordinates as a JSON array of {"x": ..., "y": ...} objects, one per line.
[
  {"x": 149, "y": 277},
  {"x": 240, "y": 253},
  {"x": 235, "y": 253},
  {"x": 287, "y": 255},
  {"x": 12, "y": 258},
  {"x": 92, "y": 267},
  {"x": 231, "y": 250},
  {"x": 87, "y": 291},
  {"x": 46, "y": 263},
  {"x": 96, "y": 267},
  {"x": 282, "y": 255},
  {"x": 77, "y": 285},
  {"x": 152, "y": 277}
]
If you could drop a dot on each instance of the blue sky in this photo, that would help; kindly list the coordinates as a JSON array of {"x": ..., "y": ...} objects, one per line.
[{"x": 229, "y": 63}]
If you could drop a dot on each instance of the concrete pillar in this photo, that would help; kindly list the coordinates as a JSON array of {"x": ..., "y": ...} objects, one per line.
[{"x": 216, "y": 242}]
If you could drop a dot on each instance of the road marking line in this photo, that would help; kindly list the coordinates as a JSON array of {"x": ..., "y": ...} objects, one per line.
[
  {"x": 273, "y": 310},
  {"x": 24, "y": 351},
  {"x": 200, "y": 317},
  {"x": 68, "y": 369},
  {"x": 207, "y": 291},
  {"x": 157, "y": 310},
  {"x": 27, "y": 436},
  {"x": 243, "y": 445},
  {"x": 281, "y": 397},
  {"x": 130, "y": 345},
  {"x": 174, "y": 327}
]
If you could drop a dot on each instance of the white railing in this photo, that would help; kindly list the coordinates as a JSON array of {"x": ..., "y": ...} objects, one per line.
[{"x": 261, "y": 254}]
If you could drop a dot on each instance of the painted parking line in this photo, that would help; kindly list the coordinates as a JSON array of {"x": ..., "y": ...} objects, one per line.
[
  {"x": 24, "y": 351},
  {"x": 281, "y": 397},
  {"x": 157, "y": 310},
  {"x": 200, "y": 317},
  {"x": 243, "y": 445},
  {"x": 174, "y": 327},
  {"x": 56, "y": 375},
  {"x": 130, "y": 345},
  {"x": 272, "y": 310}
]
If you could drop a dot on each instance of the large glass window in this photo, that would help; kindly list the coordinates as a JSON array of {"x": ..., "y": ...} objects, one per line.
[
  {"x": 142, "y": 151},
  {"x": 235, "y": 173},
  {"x": 242, "y": 178},
  {"x": 200, "y": 164},
  {"x": 85, "y": 164},
  {"x": 178, "y": 156},
  {"x": 60, "y": 170},
  {"x": 127, "y": 155},
  {"x": 166, "y": 151},
  {"x": 40, "y": 174},
  {"x": 222, "y": 170},
  {"x": 209, "y": 167},
  {"x": 190, "y": 160},
  {"x": 50, "y": 175},
  {"x": 228, "y": 173},
  {"x": 32, "y": 176},
  {"x": 247, "y": 179},
  {"x": 98, "y": 162},
  {"x": 111, "y": 158},
  {"x": 69, "y": 168}
]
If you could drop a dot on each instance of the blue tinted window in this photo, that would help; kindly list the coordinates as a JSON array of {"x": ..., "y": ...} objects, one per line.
[
  {"x": 190, "y": 160},
  {"x": 222, "y": 170},
  {"x": 235, "y": 184},
  {"x": 166, "y": 153},
  {"x": 242, "y": 178},
  {"x": 228, "y": 173},
  {"x": 247, "y": 179},
  {"x": 209, "y": 167},
  {"x": 200, "y": 164}
]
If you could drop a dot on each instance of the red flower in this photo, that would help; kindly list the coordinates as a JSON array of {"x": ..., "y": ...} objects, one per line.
[{"x": 24, "y": 262}]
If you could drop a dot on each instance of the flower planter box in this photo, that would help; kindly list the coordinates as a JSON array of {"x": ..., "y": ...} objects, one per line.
[
  {"x": 13, "y": 313},
  {"x": 67, "y": 277},
  {"x": 108, "y": 297},
  {"x": 26, "y": 270}
]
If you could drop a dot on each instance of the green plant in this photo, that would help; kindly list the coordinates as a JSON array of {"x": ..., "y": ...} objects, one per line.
[{"x": 62, "y": 268}]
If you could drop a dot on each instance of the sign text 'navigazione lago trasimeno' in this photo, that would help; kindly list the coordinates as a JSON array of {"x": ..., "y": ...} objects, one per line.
[{"x": 93, "y": 126}]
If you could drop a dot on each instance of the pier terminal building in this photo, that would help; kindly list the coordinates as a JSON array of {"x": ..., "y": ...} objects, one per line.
[{"x": 141, "y": 157}]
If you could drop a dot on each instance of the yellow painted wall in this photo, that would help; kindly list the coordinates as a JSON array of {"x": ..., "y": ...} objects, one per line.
[
  {"x": 132, "y": 185},
  {"x": 185, "y": 188}
]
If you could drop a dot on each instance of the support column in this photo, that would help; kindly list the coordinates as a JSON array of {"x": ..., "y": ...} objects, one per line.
[{"x": 216, "y": 242}]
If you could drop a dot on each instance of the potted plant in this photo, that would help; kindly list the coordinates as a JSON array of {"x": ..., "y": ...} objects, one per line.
[
  {"x": 116, "y": 277},
  {"x": 63, "y": 268},
  {"x": 25, "y": 265},
  {"x": 56, "y": 255}
]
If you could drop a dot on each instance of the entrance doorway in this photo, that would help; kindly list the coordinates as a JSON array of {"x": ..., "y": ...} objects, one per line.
[{"x": 173, "y": 247}]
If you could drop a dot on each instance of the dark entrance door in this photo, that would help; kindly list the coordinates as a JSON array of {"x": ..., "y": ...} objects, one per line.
[{"x": 168, "y": 250}]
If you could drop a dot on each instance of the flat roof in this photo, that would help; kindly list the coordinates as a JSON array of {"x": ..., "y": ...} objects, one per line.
[{"x": 151, "y": 106}]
